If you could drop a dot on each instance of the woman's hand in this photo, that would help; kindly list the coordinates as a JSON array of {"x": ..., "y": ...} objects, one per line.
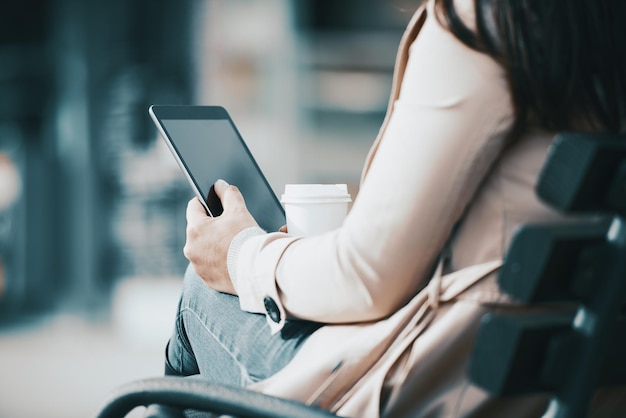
[{"x": 208, "y": 238}]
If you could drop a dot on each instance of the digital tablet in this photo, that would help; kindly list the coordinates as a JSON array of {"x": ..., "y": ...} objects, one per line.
[{"x": 207, "y": 146}]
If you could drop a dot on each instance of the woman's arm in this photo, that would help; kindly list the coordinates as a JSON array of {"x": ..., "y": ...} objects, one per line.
[{"x": 445, "y": 131}]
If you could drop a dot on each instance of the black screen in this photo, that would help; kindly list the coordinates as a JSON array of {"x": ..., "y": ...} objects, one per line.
[{"x": 212, "y": 149}]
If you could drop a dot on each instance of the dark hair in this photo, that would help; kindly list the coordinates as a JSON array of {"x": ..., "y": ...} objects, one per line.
[{"x": 564, "y": 59}]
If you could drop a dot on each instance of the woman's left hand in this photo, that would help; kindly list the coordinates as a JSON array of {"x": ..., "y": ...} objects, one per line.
[{"x": 208, "y": 238}]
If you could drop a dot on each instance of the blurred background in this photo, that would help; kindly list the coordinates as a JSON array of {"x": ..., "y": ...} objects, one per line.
[{"x": 92, "y": 203}]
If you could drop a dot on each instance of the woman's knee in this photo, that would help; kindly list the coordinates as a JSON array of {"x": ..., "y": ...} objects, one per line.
[
  {"x": 203, "y": 302},
  {"x": 192, "y": 286},
  {"x": 191, "y": 278}
]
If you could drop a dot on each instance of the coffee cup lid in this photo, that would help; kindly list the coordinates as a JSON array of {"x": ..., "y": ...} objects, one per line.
[{"x": 303, "y": 193}]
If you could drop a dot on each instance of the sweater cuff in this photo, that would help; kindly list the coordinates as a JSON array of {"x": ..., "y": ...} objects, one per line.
[{"x": 235, "y": 247}]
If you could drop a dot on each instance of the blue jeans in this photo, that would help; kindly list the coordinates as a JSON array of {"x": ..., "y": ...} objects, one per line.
[{"x": 213, "y": 337}]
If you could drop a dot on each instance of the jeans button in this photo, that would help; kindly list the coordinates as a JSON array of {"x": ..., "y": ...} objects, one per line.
[{"x": 272, "y": 309}]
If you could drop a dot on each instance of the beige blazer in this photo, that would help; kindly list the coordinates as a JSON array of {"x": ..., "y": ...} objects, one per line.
[
  {"x": 399, "y": 348},
  {"x": 439, "y": 154}
]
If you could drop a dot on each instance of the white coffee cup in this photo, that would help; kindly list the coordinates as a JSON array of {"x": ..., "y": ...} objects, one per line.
[{"x": 313, "y": 209}]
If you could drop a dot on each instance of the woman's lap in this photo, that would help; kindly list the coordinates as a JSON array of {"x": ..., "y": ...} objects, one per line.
[{"x": 215, "y": 338}]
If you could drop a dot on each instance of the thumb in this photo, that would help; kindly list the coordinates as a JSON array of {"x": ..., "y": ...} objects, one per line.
[{"x": 230, "y": 196}]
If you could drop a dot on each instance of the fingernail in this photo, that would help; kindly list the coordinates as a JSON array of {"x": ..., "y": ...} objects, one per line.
[{"x": 223, "y": 182}]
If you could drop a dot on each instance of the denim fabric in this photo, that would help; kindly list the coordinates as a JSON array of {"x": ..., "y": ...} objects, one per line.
[{"x": 215, "y": 338}]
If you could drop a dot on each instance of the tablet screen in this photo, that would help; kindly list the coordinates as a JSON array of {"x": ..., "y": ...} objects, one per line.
[{"x": 211, "y": 149}]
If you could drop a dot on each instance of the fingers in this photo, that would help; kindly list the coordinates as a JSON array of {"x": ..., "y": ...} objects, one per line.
[
  {"x": 230, "y": 196},
  {"x": 220, "y": 187},
  {"x": 195, "y": 210}
]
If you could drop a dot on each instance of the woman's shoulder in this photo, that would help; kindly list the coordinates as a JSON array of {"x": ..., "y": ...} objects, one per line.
[{"x": 465, "y": 10}]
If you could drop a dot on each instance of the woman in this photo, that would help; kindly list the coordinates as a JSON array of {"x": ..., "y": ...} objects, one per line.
[{"x": 480, "y": 88}]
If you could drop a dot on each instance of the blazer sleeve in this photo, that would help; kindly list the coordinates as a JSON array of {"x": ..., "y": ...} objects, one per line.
[{"x": 445, "y": 130}]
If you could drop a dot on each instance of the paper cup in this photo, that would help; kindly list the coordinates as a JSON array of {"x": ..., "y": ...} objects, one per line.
[{"x": 313, "y": 209}]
